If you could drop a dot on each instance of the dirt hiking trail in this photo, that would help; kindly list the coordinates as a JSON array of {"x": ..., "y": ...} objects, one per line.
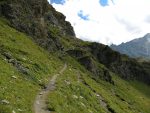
[{"x": 40, "y": 105}]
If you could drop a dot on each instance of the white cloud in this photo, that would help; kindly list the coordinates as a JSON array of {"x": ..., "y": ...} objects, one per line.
[{"x": 119, "y": 22}]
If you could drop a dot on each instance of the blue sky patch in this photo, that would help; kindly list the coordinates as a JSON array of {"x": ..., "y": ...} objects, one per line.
[
  {"x": 57, "y": 1},
  {"x": 103, "y": 3},
  {"x": 82, "y": 15}
]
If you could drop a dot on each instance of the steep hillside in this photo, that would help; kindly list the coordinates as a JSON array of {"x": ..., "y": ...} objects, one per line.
[
  {"x": 25, "y": 68},
  {"x": 36, "y": 44},
  {"x": 38, "y": 19},
  {"x": 98, "y": 58},
  {"x": 136, "y": 48}
]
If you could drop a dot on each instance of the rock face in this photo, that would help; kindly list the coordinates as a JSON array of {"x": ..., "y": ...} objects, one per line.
[
  {"x": 5, "y": 102},
  {"x": 104, "y": 54},
  {"x": 126, "y": 67},
  {"x": 136, "y": 48},
  {"x": 90, "y": 64},
  {"x": 93, "y": 54},
  {"x": 38, "y": 19},
  {"x": 10, "y": 59}
]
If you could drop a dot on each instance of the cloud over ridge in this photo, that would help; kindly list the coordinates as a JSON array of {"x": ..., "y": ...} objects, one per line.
[{"x": 116, "y": 22}]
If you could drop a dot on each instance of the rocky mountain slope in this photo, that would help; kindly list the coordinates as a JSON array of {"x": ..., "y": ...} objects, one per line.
[
  {"x": 35, "y": 43},
  {"x": 139, "y": 47}
]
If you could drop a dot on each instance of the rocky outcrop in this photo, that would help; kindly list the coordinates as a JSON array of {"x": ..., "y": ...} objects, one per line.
[
  {"x": 77, "y": 53},
  {"x": 90, "y": 64},
  {"x": 10, "y": 59},
  {"x": 100, "y": 73},
  {"x": 104, "y": 54},
  {"x": 124, "y": 66},
  {"x": 38, "y": 19}
]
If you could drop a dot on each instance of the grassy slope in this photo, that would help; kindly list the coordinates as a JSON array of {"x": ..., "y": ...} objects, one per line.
[
  {"x": 76, "y": 91},
  {"x": 74, "y": 96},
  {"x": 21, "y": 92},
  {"x": 123, "y": 97}
]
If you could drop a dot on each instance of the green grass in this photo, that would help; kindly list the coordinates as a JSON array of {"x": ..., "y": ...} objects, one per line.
[
  {"x": 72, "y": 96},
  {"x": 123, "y": 97},
  {"x": 21, "y": 92},
  {"x": 72, "y": 43},
  {"x": 141, "y": 87},
  {"x": 76, "y": 91}
]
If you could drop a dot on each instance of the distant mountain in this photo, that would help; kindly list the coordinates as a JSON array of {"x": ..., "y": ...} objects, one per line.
[{"x": 136, "y": 48}]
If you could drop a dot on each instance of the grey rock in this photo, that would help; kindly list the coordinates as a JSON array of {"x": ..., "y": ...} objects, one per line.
[
  {"x": 5, "y": 102},
  {"x": 14, "y": 77}
]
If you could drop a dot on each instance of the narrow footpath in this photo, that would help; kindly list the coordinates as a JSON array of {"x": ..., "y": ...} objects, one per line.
[{"x": 40, "y": 105}]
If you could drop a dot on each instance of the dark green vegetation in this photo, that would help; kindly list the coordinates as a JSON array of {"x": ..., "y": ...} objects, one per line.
[
  {"x": 36, "y": 41},
  {"x": 138, "y": 48}
]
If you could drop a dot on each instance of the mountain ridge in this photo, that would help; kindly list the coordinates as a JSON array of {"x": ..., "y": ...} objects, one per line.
[{"x": 139, "y": 47}]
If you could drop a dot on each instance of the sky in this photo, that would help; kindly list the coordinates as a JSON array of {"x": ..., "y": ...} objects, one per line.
[{"x": 106, "y": 21}]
